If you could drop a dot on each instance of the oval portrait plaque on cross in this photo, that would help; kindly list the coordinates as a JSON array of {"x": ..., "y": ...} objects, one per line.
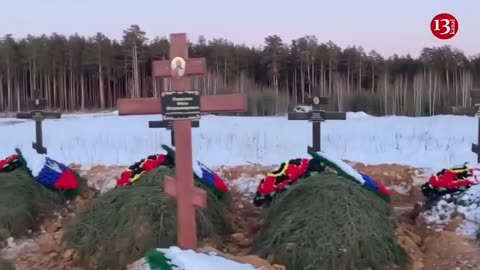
[
  {"x": 178, "y": 66},
  {"x": 316, "y": 100}
]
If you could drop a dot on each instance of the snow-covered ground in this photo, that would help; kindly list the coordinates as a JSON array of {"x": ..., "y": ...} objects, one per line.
[
  {"x": 105, "y": 138},
  {"x": 191, "y": 260}
]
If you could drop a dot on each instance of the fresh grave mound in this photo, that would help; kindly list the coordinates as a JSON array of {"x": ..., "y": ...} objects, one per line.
[
  {"x": 125, "y": 222},
  {"x": 328, "y": 222},
  {"x": 451, "y": 191},
  {"x": 25, "y": 199}
]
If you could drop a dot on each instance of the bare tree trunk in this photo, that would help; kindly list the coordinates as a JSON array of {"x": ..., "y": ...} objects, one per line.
[
  {"x": 360, "y": 75},
  {"x": 302, "y": 82},
  {"x": 9, "y": 86},
  {"x": 373, "y": 78},
  {"x": 82, "y": 92},
  {"x": 385, "y": 96}
]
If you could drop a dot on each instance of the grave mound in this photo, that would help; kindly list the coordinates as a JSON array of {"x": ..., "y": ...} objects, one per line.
[
  {"x": 328, "y": 222},
  {"x": 23, "y": 202},
  {"x": 25, "y": 199},
  {"x": 125, "y": 222}
]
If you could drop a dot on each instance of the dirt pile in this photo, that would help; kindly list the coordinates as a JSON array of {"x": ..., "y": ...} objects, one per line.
[
  {"x": 400, "y": 180},
  {"x": 44, "y": 250}
]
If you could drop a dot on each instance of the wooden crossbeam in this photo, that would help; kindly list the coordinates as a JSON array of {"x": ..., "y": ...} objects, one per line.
[{"x": 217, "y": 103}]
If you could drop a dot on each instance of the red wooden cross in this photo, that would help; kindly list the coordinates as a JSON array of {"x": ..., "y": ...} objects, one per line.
[{"x": 182, "y": 186}]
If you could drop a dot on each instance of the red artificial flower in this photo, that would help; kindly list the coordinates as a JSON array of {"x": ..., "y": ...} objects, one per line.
[
  {"x": 6, "y": 161},
  {"x": 267, "y": 185},
  {"x": 447, "y": 180},
  {"x": 124, "y": 178},
  {"x": 150, "y": 164}
]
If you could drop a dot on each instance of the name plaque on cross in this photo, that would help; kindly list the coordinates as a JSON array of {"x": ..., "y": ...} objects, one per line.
[
  {"x": 177, "y": 105},
  {"x": 316, "y": 116}
]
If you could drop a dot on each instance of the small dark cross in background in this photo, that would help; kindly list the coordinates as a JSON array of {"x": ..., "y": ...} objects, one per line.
[
  {"x": 316, "y": 116},
  {"x": 168, "y": 125},
  {"x": 38, "y": 113}
]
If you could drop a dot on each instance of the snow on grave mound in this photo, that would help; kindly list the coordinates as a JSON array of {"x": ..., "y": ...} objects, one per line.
[
  {"x": 125, "y": 222},
  {"x": 174, "y": 258},
  {"x": 326, "y": 221},
  {"x": 467, "y": 204},
  {"x": 450, "y": 192}
]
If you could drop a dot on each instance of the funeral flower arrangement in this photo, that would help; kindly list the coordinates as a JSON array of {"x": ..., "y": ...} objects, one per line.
[
  {"x": 201, "y": 172},
  {"x": 45, "y": 170},
  {"x": 294, "y": 170}
]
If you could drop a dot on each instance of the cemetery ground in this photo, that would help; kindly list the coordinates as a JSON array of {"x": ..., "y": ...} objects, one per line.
[{"x": 400, "y": 152}]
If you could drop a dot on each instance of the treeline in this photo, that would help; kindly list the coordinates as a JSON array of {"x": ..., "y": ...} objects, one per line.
[{"x": 90, "y": 73}]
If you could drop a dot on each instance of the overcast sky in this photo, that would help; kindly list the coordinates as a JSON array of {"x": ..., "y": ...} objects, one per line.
[{"x": 401, "y": 26}]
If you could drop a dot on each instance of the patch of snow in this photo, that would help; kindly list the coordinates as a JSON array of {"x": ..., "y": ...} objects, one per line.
[
  {"x": 107, "y": 185},
  {"x": 403, "y": 189},
  {"x": 302, "y": 108},
  {"x": 440, "y": 214},
  {"x": 87, "y": 139},
  {"x": 343, "y": 166},
  {"x": 467, "y": 204},
  {"x": 351, "y": 115},
  {"x": 246, "y": 184},
  {"x": 191, "y": 260},
  {"x": 14, "y": 247}
]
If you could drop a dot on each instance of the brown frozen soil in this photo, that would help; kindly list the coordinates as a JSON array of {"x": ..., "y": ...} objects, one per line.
[{"x": 429, "y": 250}]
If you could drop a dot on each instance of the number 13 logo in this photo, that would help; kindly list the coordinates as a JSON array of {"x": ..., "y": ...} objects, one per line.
[{"x": 444, "y": 26}]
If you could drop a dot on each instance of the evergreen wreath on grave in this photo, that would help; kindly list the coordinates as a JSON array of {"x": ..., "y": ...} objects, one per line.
[
  {"x": 124, "y": 223},
  {"x": 326, "y": 221},
  {"x": 201, "y": 172},
  {"x": 27, "y": 196}
]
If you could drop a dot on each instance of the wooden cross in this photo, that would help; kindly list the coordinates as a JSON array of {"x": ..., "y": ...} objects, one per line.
[
  {"x": 181, "y": 106},
  {"x": 37, "y": 112},
  {"x": 316, "y": 116}
]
